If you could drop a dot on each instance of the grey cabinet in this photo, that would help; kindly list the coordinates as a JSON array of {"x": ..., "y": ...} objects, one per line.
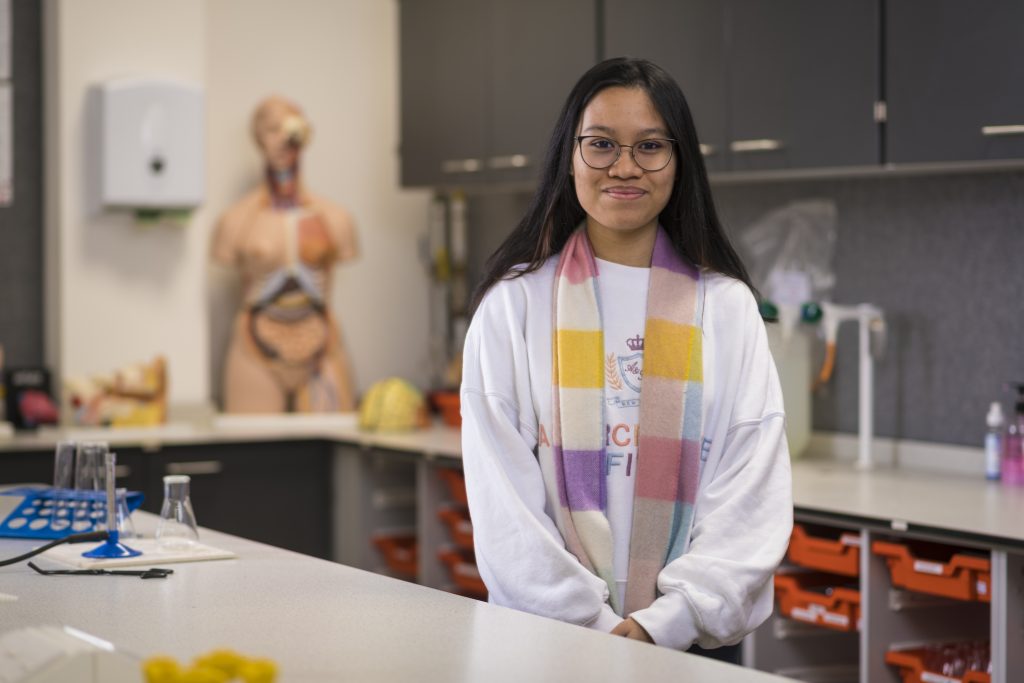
[
  {"x": 444, "y": 84},
  {"x": 273, "y": 492},
  {"x": 482, "y": 83},
  {"x": 954, "y": 80},
  {"x": 803, "y": 82},
  {"x": 687, "y": 39},
  {"x": 787, "y": 84}
]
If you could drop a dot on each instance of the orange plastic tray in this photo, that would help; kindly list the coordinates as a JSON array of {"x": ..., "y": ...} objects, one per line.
[
  {"x": 456, "y": 518},
  {"x": 462, "y": 567},
  {"x": 911, "y": 664},
  {"x": 839, "y": 610},
  {"x": 399, "y": 550},
  {"x": 956, "y": 575},
  {"x": 836, "y": 555},
  {"x": 449, "y": 405},
  {"x": 456, "y": 483}
]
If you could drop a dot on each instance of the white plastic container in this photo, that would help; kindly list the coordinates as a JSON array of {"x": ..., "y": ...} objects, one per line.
[{"x": 792, "y": 354}]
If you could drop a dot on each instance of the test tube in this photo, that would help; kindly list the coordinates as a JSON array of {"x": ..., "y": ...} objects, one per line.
[{"x": 110, "y": 460}]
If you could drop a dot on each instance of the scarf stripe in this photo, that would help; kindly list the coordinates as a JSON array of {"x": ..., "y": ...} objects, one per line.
[{"x": 668, "y": 456}]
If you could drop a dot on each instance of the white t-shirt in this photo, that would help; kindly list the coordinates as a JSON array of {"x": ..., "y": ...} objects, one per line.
[{"x": 622, "y": 292}]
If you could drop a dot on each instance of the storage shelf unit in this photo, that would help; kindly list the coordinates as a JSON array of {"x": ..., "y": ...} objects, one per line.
[{"x": 914, "y": 589}]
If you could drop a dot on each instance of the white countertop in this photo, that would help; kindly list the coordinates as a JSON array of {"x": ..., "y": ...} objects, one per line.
[
  {"x": 322, "y": 621},
  {"x": 436, "y": 440},
  {"x": 963, "y": 503},
  {"x": 902, "y": 498}
]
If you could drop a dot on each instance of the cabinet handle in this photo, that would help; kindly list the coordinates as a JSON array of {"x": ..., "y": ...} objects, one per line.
[
  {"x": 995, "y": 131},
  {"x": 509, "y": 161},
  {"x": 707, "y": 150},
  {"x": 122, "y": 471},
  {"x": 461, "y": 166},
  {"x": 759, "y": 145},
  {"x": 199, "y": 467}
]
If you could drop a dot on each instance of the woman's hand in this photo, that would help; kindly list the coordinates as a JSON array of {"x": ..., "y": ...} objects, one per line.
[{"x": 628, "y": 628}]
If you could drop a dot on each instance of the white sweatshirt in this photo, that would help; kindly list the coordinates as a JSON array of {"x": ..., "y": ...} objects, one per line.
[{"x": 717, "y": 592}]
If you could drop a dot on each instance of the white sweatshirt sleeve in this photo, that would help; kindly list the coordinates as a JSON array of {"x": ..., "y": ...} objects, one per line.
[
  {"x": 721, "y": 588},
  {"x": 519, "y": 550}
]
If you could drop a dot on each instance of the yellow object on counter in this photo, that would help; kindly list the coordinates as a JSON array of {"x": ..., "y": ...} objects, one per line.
[
  {"x": 217, "y": 666},
  {"x": 393, "y": 405}
]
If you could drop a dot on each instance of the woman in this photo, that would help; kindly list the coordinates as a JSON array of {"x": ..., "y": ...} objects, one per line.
[{"x": 623, "y": 440}]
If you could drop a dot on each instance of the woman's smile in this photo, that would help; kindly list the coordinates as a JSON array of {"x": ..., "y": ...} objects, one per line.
[{"x": 625, "y": 192}]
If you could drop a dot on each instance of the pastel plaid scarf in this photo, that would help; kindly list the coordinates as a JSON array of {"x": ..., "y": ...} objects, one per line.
[{"x": 668, "y": 459}]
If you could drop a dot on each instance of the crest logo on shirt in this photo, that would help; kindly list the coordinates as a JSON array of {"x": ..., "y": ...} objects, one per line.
[{"x": 631, "y": 371}]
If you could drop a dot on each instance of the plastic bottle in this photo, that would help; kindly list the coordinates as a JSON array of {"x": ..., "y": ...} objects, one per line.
[
  {"x": 993, "y": 441},
  {"x": 1013, "y": 443}
]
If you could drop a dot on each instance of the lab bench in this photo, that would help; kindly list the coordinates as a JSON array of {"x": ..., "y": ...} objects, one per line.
[
  {"x": 368, "y": 486},
  {"x": 323, "y": 621}
]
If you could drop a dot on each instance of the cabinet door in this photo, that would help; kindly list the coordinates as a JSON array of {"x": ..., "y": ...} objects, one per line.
[
  {"x": 686, "y": 38},
  {"x": 539, "y": 50},
  {"x": 444, "y": 81},
  {"x": 803, "y": 83},
  {"x": 954, "y": 80},
  {"x": 276, "y": 493}
]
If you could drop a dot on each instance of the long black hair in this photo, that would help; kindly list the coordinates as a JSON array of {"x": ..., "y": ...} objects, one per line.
[{"x": 689, "y": 218}]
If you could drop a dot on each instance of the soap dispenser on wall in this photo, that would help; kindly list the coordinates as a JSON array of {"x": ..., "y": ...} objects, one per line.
[{"x": 152, "y": 144}]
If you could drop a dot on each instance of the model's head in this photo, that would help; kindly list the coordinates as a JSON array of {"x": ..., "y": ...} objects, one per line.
[
  {"x": 281, "y": 131},
  {"x": 626, "y": 101}
]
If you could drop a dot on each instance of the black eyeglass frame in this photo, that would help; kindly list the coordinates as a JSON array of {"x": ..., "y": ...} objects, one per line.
[{"x": 632, "y": 153}]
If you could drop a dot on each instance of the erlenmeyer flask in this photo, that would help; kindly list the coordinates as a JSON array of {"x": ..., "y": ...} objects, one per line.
[
  {"x": 177, "y": 529},
  {"x": 125, "y": 526}
]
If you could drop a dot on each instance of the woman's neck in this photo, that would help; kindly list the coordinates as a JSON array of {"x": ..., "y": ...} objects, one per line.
[{"x": 625, "y": 247}]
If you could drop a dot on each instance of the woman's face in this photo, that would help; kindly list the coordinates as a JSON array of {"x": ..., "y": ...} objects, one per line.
[{"x": 622, "y": 198}]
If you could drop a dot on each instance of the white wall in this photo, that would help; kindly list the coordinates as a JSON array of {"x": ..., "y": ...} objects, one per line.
[{"x": 122, "y": 293}]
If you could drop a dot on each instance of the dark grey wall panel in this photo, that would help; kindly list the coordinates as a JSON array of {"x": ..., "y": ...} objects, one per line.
[
  {"x": 943, "y": 256},
  {"x": 21, "y": 223}
]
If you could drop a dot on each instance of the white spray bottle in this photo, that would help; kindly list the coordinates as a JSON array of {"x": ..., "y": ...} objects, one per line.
[{"x": 993, "y": 441}]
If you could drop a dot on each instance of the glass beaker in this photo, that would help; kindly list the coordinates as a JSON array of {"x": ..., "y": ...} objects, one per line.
[
  {"x": 177, "y": 529},
  {"x": 89, "y": 472},
  {"x": 64, "y": 465}
]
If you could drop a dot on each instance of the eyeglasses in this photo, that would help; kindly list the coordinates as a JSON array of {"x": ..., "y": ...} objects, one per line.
[{"x": 650, "y": 155}]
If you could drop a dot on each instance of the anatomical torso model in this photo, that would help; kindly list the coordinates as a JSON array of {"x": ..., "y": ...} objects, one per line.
[{"x": 286, "y": 352}]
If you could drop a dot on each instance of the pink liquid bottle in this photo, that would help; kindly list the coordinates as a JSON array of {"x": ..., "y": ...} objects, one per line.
[{"x": 1013, "y": 444}]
